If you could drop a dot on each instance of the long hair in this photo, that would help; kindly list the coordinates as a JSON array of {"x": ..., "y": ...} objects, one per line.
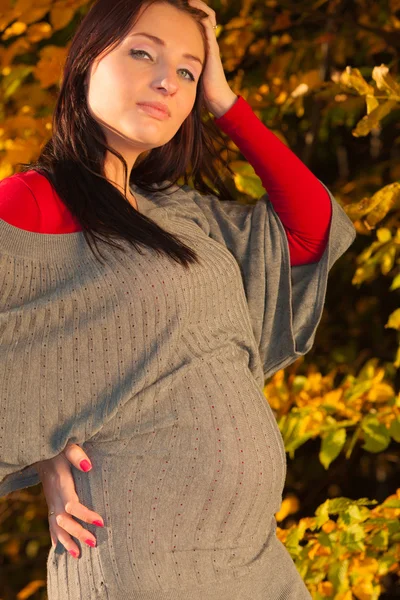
[{"x": 73, "y": 158}]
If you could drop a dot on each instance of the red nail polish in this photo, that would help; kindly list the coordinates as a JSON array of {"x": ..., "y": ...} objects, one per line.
[
  {"x": 90, "y": 543},
  {"x": 98, "y": 523},
  {"x": 73, "y": 553},
  {"x": 85, "y": 465}
]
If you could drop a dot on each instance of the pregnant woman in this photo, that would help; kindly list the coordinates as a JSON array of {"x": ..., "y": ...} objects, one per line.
[{"x": 149, "y": 358}]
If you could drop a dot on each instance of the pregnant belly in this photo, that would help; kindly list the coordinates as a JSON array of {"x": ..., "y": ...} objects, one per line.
[{"x": 205, "y": 480}]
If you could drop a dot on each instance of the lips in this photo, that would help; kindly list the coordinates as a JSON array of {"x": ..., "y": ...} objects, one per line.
[
  {"x": 160, "y": 115},
  {"x": 157, "y": 105}
]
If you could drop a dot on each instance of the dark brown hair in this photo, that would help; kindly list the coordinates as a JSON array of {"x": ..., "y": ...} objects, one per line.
[{"x": 73, "y": 159}]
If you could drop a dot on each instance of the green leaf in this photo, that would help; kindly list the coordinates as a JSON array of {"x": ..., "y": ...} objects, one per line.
[
  {"x": 385, "y": 563},
  {"x": 322, "y": 514},
  {"x": 326, "y": 539},
  {"x": 338, "y": 575},
  {"x": 393, "y": 503},
  {"x": 353, "y": 537},
  {"x": 299, "y": 382},
  {"x": 337, "y": 506},
  {"x": 331, "y": 446},
  {"x": 393, "y": 526},
  {"x": 394, "y": 429},
  {"x": 292, "y": 542},
  {"x": 351, "y": 515},
  {"x": 14, "y": 80},
  {"x": 357, "y": 390},
  {"x": 376, "y": 435},
  {"x": 246, "y": 179},
  {"x": 380, "y": 540},
  {"x": 298, "y": 441}
]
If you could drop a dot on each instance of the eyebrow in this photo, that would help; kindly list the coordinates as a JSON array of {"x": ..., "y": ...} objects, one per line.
[{"x": 161, "y": 42}]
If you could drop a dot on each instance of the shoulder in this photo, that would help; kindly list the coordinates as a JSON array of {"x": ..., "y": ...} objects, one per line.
[
  {"x": 18, "y": 202},
  {"x": 29, "y": 201}
]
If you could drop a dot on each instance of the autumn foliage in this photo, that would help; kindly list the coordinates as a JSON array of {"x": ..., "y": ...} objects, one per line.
[{"x": 324, "y": 76}]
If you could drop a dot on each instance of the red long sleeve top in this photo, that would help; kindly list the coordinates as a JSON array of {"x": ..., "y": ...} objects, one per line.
[{"x": 298, "y": 197}]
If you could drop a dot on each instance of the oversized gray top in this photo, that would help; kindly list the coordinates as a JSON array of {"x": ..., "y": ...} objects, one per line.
[{"x": 158, "y": 372}]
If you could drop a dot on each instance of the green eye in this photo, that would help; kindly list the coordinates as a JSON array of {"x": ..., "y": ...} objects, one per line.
[{"x": 135, "y": 53}]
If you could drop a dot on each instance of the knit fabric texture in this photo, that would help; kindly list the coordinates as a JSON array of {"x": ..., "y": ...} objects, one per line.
[{"x": 158, "y": 372}]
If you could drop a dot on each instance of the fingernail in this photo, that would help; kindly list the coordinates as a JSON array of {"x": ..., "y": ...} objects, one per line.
[
  {"x": 85, "y": 465},
  {"x": 73, "y": 553},
  {"x": 90, "y": 543},
  {"x": 98, "y": 523}
]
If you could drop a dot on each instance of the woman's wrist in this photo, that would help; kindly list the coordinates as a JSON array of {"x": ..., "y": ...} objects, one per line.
[{"x": 42, "y": 468}]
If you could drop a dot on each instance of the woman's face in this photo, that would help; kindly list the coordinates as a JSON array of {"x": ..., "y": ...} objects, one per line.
[{"x": 141, "y": 70}]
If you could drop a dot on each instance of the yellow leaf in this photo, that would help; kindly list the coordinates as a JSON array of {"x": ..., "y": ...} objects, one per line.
[
  {"x": 49, "y": 68},
  {"x": 31, "y": 589},
  {"x": 31, "y": 12},
  {"x": 6, "y": 169},
  {"x": 394, "y": 320},
  {"x": 344, "y": 595},
  {"x": 397, "y": 359},
  {"x": 61, "y": 16},
  {"x": 371, "y": 103},
  {"x": 332, "y": 398},
  {"x": 384, "y": 234},
  {"x": 395, "y": 283},
  {"x": 329, "y": 526},
  {"x": 20, "y": 150},
  {"x": 356, "y": 210},
  {"x": 365, "y": 590},
  {"x": 352, "y": 78},
  {"x": 385, "y": 81},
  {"x": 325, "y": 588},
  {"x": 313, "y": 550},
  {"x": 387, "y": 197},
  {"x": 387, "y": 260},
  {"x": 289, "y": 506},
  {"x": 364, "y": 567},
  {"x": 281, "y": 99},
  {"x": 19, "y": 46},
  {"x": 17, "y": 28},
  {"x": 238, "y": 23},
  {"x": 365, "y": 273},
  {"x": 373, "y": 119},
  {"x": 38, "y": 32}
]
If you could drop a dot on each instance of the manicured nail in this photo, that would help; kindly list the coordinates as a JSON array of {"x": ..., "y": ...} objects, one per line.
[
  {"x": 73, "y": 553},
  {"x": 85, "y": 465},
  {"x": 90, "y": 543},
  {"x": 98, "y": 523}
]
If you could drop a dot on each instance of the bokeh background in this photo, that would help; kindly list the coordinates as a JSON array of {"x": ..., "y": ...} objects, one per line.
[{"x": 324, "y": 76}]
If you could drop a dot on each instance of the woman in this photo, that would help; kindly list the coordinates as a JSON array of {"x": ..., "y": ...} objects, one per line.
[{"x": 153, "y": 369}]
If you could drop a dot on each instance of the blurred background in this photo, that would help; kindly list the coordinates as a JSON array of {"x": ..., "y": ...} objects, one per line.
[{"x": 324, "y": 76}]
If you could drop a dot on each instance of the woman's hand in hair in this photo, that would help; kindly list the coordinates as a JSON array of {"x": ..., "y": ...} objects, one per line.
[
  {"x": 61, "y": 497},
  {"x": 218, "y": 95}
]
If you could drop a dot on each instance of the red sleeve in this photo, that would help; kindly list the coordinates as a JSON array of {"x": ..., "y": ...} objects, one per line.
[
  {"x": 298, "y": 197},
  {"x": 18, "y": 205},
  {"x": 28, "y": 201}
]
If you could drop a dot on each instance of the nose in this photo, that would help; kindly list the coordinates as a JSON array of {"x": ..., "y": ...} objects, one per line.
[{"x": 167, "y": 79}]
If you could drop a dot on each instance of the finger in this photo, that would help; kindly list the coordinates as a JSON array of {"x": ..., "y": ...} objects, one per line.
[
  {"x": 67, "y": 541},
  {"x": 83, "y": 513},
  {"x": 61, "y": 496},
  {"x": 78, "y": 457},
  {"x": 53, "y": 538},
  {"x": 64, "y": 524},
  {"x": 203, "y": 7}
]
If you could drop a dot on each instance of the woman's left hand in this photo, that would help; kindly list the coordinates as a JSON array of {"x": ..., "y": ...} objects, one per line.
[{"x": 218, "y": 95}]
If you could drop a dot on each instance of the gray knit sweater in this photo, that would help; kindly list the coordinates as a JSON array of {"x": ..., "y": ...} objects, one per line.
[{"x": 158, "y": 372}]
